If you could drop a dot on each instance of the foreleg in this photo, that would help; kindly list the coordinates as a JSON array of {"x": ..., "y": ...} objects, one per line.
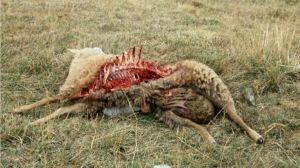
[
  {"x": 253, "y": 134},
  {"x": 172, "y": 120},
  {"x": 26, "y": 108},
  {"x": 76, "y": 108}
]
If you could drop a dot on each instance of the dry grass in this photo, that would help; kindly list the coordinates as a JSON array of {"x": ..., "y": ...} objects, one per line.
[{"x": 248, "y": 43}]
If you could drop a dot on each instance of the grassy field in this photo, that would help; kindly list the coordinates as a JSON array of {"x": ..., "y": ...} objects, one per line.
[{"x": 249, "y": 43}]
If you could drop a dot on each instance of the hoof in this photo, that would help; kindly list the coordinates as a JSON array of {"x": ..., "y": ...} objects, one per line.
[
  {"x": 33, "y": 124},
  {"x": 11, "y": 111},
  {"x": 260, "y": 140},
  {"x": 15, "y": 111},
  {"x": 214, "y": 143}
]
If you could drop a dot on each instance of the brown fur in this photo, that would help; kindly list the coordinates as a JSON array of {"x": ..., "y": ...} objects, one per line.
[{"x": 186, "y": 74}]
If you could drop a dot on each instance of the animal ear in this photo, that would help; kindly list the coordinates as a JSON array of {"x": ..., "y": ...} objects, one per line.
[
  {"x": 73, "y": 51},
  {"x": 99, "y": 50}
]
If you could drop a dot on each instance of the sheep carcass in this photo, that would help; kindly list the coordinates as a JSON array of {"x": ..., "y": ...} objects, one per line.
[{"x": 183, "y": 94}]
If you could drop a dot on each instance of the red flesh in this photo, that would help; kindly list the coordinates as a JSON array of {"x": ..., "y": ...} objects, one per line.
[{"x": 121, "y": 74}]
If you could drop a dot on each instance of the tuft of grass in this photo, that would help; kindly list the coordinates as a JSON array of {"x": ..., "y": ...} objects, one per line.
[{"x": 248, "y": 43}]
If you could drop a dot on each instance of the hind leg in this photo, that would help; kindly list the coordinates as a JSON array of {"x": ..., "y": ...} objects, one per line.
[
  {"x": 76, "y": 108},
  {"x": 172, "y": 120},
  {"x": 253, "y": 134},
  {"x": 26, "y": 108}
]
